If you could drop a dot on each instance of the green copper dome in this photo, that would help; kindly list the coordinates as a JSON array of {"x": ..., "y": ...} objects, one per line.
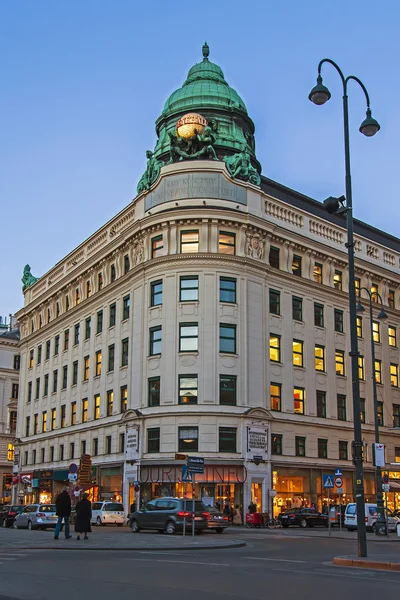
[{"x": 205, "y": 86}]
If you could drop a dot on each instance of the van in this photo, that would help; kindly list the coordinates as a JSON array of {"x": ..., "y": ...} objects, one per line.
[
  {"x": 108, "y": 513},
  {"x": 350, "y": 516}
]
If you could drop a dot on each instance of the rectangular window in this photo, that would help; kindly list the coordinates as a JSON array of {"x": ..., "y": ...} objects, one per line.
[
  {"x": 126, "y": 264},
  {"x": 361, "y": 368},
  {"x": 357, "y": 286},
  {"x": 154, "y": 391},
  {"x": 110, "y": 403},
  {"x": 99, "y": 326},
  {"x": 319, "y": 358},
  {"x": 300, "y": 446},
  {"x": 99, "y": 358},
  {"x": 35, "y": 424},
  {"x": 111, "y": 357},
  {"x": 44, "y": 421},
  {"x": 73, "y": 413},
  {"x": 275, "y": 396},
  {"x": 39, "y": 355},
  {"x": 275, "y": 348},
  {"x": 188, "y": 337},
  {"x": 318, "y": 273},
  {"x": 55, "y": 380},
  {"x": 65, "y": 377},
  {"x": 37, "y": 388},
  {"x": 297, "y": 308},
  {"x": 189, "y": 241},
  {"x": 339, "y": 360},
  {"x": 125, "y": 352},
  {"x": 391, "y": 299},
  {"x": 95, "y": 446},
  {"x": 30, "y": 390},
  {"x": 274, "y": 257},
  {"x": 321, "y": 404},
  {"x": 338, "y": 280},
  {"x": 227, "y": 439},
  {"x": 31, "y": 363},
  {"x": 96, "y": 407},
  {"x": 34, "y": 457},
  {"x": 113, "y": 273},
  {"x": 227, "y": 338},
  {"x": 124, "y": 398},
  {"x": 48, "y": 350},
  {"x": 188, "y": 439},
  {"x": 394, "y": 375},
  {"x": 122, "y": 443},
  {"x": 343, "y": 451},
  {"x": 380, "y": 413},
  {"x": 297, "y": 353},
  {"x": 189, "y": 288},
  {"x": 72, "y": 450},
  {"x": 126, "y": 305},
  {"x": 86, "y": 368},
  {"x": 274, "y": 302},
  {"x": 156, "y": 293},
  {"x": 88, "y": 289},
  {"x": 43, "y": 455},
  {"x": 53, "y": 419},
  {"x": 227, "y": 290},
  {"x": 296, "y": 265},
  {"x": 376, "y": 332},
  {"x": 46, "y": 385},
  {"x": 299, "y": 398},
  {"x": 188, "y": 389},
  {"x": 26, "y": 457},
  {"x": 56, "y": 345},
  {"x": 396, "y": 417},
  {"x": 66, "y": 340},
  {"x": 157, "y": 246},
  {"x": 227, "y": 390},
  {"x": 113, "y": 312},
  {"x": 276, "y": 443},
  {"x": 378, "y": 371},
  {"x": 155, "y": 338},
  {"x": 318, "y": 315},
  {"x": 153, "y": 440},
  {"x": 359, "y": 327},
  {"x": 341, "y": 407},
  {"x": 374, "y": 292},
  {"x": 83, "y": 447},
  {"x": 362, "y": 410},
  {"x": 66, "y": 304},
  {"x": 322, "y": 448},
  {"x": 392, "y": 334},
  {"x": 76, "y": 334},
  {"x": 226, "y": 242},
  {"x": 397, "y": 454},
  {"x": 88, "y": 327},
  {"x": 338, "y": 318},
  {"x": 85, "y": 409},
  {"x": 77, "y": 296},
  {"x": 75, "y": 372},
  {"x": 63, "y": 420},
  {"x": 14, "y": 391},
  {"x": 27, "y": 426}
]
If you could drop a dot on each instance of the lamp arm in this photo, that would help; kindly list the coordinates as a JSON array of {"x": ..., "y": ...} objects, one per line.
[
  {"x": 364, "y": 89},
  {"x": 338, "y": 69}
]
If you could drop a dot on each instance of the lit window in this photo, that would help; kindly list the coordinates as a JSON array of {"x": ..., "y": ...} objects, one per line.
[
  {"x": 188, "y": 439},
  {"x": 362, "y": 410},
  {"x": 35, "y": 424},
  {"x": 317, "y": 273},
  {"x": 391, "y": 299},
  {"x": 10, "y": 452},
  {"x": 189, "y": 241},
  {"x": 96, "y": 405},
  {"x": 31, "y": 359},
  {"x": 338, "y": 280},
  {"x": 378, "y": 371},
  {"x": 86, "y": 366},
  {"x": 77, "y": 296},
  {"x": 188, "y": 389},
  {"x": 99, "y": 357},
  {"x": 319, "y": 358},
  {"x": 297, "y": 353},
  {"x": 156, "y": 293},
  {"x": 394, "y": 375},
  {"x": 296, "y": 265},
  {"x": 85, "y": 407},
  {"x": 44, "y": 422},
  {"x": 110, "y": 403},
  {"x": 357, "y": 286},
  {"x": 339, "y": 359},
  {"x": 155, "y": 340},
  {"x": 124, "y": 398},
  {"x": 380, "y": 413},
  {"x": 374, "y": 292},
  {"x": 226, "y": 243},
  {"x": 359, "y": 327},
  {"x": 274, "y": 302},
  {"x": 361, "y": 373},
  {"x": 376, "y": 332},
  {"x": 275, "y": 348},
  {"x": 157, "y": 246},
  {"x": 227, "y": 290},
  {"x": 189, "y": 288},
  {"x": 73, "y": 413},
  {"x": 227, "y": 338},
  {"x": 275, "y": 393},
  {"x": 392, "y": 336},
  {"x": 154, "y": 391},
  {"x": 299, "y": 397}
]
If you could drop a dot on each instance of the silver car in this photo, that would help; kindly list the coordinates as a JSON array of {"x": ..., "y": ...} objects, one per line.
[{"x": 37, "y": 516}]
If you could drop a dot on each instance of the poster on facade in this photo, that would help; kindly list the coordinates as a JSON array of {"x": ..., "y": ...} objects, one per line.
[
  {"x": 257, "y": 442},
  {"x": 132, "y": 442},
  {"x": 16, "y": 462}
]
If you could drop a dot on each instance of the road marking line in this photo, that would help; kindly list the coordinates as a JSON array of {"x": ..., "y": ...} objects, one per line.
[
  {"x": 179, "y": 562},
  {"x": 275, "y": 559}
]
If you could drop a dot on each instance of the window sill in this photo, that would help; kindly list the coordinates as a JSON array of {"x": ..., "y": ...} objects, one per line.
[
  {"x": 154, "y": 355},
  {"x": 186, "y": 352},
  {"x": 123, "y": 366},
  {"x": 230, "y": 354},
  {"x": 125, "y": 320},
  {"x": 97, "y": 376}
]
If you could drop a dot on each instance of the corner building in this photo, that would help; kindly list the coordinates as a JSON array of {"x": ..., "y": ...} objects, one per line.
[{"x": 208, "y": 318}]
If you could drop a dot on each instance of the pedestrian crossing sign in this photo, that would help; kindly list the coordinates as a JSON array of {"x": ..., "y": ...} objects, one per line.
[{"x": 329, "y": 481}]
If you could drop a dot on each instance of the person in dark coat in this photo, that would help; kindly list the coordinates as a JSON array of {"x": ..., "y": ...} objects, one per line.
[
  {"x": 83, "y": 516},
  {"x": 63, "y": 511}
]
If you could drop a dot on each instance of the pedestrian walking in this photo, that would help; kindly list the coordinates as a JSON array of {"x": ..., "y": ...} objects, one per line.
[
  {"x": 237, "y": 517},
  {"x": 83, "y": 516},
  {"x": 63, "y": 511},
  {"x": 252, "y": 507}
]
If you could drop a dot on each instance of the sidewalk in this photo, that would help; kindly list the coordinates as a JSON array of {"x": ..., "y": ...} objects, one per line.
[
  {"x": 315, "y": 532},
  {"x": 108, "y": 539},
  {"x": 383, "y": 562}
]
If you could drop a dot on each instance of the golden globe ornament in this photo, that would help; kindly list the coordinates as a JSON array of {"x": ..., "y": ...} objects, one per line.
[{"x": 189, "y": 125}]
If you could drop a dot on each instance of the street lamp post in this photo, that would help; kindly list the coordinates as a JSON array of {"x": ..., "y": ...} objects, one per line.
[
  {"x": 319, "y": 95},
  {"x": 380, "y": 526}
]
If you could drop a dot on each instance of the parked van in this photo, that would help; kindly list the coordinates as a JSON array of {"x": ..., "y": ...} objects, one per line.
[
  {"x": 104, "y": 513},
  {"x": 350, "y": 516}
]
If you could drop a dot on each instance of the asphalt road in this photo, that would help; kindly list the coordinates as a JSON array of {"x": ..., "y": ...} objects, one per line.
[{"x": 289, "y": 567}]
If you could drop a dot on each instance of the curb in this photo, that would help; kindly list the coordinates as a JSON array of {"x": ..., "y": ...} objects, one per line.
[
  {"x": 366, "y": 564},
  {"x": 138, "y": 549}
]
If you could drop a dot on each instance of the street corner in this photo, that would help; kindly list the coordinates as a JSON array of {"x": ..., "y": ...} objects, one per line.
[{"x": 377, "y": 562}]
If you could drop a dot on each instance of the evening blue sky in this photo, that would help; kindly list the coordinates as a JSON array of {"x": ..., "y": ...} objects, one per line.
[{"x": 82, "y": 83}]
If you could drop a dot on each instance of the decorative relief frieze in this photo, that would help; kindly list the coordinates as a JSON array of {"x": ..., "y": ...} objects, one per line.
[
  {"x": 255, "y": 246},
  {"x": 122, "y": 224},
  {"x": 389, "y": 259},
  {"x": 97, "y": 243},
  {"x": 284, "y": 214},
  {"x": 372, "y": 251},
  {"x": 326, "y": 231}
]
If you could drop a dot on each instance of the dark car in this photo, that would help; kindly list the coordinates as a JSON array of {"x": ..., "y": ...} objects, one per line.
[
  {"x": 169, "y": 515},
  {"x": 216, "y": 520},
  {"x": 8, "y": 514},
  {"x": 303, "y": 517}
]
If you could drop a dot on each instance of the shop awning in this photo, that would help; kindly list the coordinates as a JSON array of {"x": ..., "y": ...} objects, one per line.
[
  {"x": 394, "y": 485},
  {"x": 60, "y": 475}
]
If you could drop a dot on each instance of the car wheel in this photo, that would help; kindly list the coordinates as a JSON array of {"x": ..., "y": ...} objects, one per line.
[
  {"x": 219, "y": 530},
  {"x": 98, "y": 522},
  {"x": 303, "y": 523},
  {"x": 30, "y": 526},
  {"x": 135, "y": 527},
  {"x": 170, "y": 528}
]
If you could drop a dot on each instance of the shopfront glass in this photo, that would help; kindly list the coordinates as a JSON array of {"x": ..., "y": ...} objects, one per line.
[{"x": 111, "y": 484}]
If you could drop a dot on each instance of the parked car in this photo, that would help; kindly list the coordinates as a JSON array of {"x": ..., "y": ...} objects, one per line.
[
  {"x": 36, "y": 516},
  {"x": 7, "y": 516},
  {"x": 303, "y": 517},
  {"x": 170, "y": 514},
  {"x": 216, "y": 520},
  {"x": 371, "y": 516},
  {"x": 108, "y": 513},
  {"x": 336, "y": 515},
  {"x": 392, "y": 520}
]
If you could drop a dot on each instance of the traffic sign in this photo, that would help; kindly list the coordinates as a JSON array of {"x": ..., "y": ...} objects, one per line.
[
  {"x": 195, "y": 468},
  {"x": 73, "y": 468},
  {"x": 338, "y": 482},
  {"x": 72, "y": 477},
  {"x": 338, "y": 473},
  {"x": 339, "y": 491},
  {"x": 186, "y": 478},
  {"x": 195, "y": 460},
  {"x": 386, "y": 487},
  {"x": 328, "y": 481}
]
